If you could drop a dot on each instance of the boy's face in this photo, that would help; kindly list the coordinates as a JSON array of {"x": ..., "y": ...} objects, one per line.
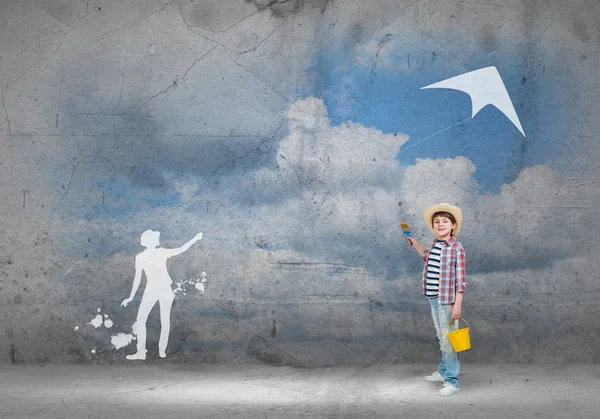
[{"x": 443, "y": 227}]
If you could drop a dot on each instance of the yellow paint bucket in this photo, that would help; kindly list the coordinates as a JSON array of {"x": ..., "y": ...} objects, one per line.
[{"x": 460, "y": 338}]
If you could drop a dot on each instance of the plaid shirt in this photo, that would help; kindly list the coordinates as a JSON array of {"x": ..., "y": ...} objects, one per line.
[{"x": 452, "y": 270}]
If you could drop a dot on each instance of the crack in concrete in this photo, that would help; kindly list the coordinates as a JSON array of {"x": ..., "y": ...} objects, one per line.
[
  {"x": 3, "y": 96},
  {"x": 51, "y": 54},
  {"x": 200, "y": 35},
  {"x": 141, "y": 22},
  {"x": 65, "y": 405},
  {"x": 65, "y": 194},
  {"x": 115, "y": 135},
  {"x": 174, "y": 84},
  {"x": 79, "y": 380},
  {"x": 401, "y": 13},
  {"x": 106, "y": 262},
  {"x": 122, "y": 85},
  {"x": 283, "y": 119},
  {"x": 380, "y": 45},
  {"x": 238, "y": 53},
  {"x": 261, "y": 42},
  {"x": 318, "y": 31},
  {"x": 267, "y": 84},
  {"x": 229, "y": 27},
  {"x": 57, "y": 19},
  {"x": 230, "y": 161}
]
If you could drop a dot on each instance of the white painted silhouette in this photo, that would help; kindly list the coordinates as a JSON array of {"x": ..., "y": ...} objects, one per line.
[
  {"x": 485, "y": 87},
  {"x": 153, "y": 262}
]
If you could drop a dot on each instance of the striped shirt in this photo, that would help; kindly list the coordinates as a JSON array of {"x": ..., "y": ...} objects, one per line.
[
  {"x": 432, "y": 286},
  {"x": 452, "y": 273}
]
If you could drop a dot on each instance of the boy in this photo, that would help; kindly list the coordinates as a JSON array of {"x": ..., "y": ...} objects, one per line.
[{"x": 443, "y": 283}]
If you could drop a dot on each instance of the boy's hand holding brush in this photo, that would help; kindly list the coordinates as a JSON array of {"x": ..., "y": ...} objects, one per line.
[{"x": 411, "y": 241}]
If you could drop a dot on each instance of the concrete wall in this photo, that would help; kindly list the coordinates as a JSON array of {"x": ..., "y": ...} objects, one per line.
[{"x": 295, "y": 136}]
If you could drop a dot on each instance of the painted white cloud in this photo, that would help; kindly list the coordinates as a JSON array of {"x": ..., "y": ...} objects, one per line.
[
  {"x": 344, "y": 184},
  {"x": 529, "y": 221},
  {"x": 346, "y": 179},
  {"x": 348, "y": 172}
]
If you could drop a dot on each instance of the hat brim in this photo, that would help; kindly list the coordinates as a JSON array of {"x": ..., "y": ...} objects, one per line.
[{"x": 443, "y": 207}]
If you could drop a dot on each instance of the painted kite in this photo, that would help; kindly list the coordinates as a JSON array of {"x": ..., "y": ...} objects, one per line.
[{"x": 485, "y": 87}]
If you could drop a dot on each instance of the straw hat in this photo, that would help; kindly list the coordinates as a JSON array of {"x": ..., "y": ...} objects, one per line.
[{"x": 443, "y": 207}]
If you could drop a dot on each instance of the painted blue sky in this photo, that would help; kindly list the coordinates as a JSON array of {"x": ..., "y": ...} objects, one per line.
[
  {"x": 388, "y": 97},
  {"x": 124, "y": 199}
]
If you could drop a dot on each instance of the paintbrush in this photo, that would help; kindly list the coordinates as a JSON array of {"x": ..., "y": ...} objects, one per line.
[{"x": 405, "y": 228}]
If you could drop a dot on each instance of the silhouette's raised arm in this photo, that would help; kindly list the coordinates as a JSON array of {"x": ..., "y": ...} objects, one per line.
[
  {"x": 186, "y": 246},
  {"x": 136, "y": 282}
]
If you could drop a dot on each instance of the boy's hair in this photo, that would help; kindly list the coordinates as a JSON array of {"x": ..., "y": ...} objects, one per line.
[{"x": 447, "y": 215}]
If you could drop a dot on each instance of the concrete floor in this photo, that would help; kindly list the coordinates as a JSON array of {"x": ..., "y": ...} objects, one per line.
[{"x": 257, "y": 391}]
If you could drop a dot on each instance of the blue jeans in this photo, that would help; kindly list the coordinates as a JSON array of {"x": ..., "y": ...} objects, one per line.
[{"x": 450, "y": 365}]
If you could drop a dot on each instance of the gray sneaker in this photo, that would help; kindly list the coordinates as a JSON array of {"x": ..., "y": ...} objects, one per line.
[{"x": 435, "y": 377}]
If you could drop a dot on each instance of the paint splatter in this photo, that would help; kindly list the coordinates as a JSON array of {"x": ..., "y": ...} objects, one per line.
[
  {"x": 179, "y": 284},
  {"x": 200, "y": 287},
  {"x": 96, "y": 321},
  {"x": 198, "y": 283},
  {"x": 121, "y": 340},
  {"x": 99, "y": 320}
]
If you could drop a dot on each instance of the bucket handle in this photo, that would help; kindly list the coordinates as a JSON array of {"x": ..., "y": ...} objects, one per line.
[{"x": 459, "y": 320}]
